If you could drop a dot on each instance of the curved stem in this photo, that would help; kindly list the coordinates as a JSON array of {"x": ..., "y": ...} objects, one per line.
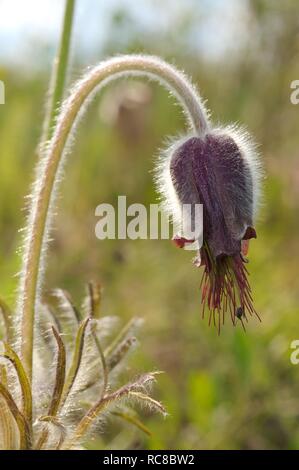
[
  {"x": 47, "y": 175},
  {"x": 59, "y": 72}
]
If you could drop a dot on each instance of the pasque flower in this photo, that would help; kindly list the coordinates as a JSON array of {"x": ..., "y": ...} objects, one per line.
[
  {"x": 210, "y": 166},
  {"x": 218, "y": 169}
]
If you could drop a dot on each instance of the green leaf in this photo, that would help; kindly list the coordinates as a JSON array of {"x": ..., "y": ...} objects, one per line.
[
  {"x": 94, "y": 299},
  {"x": 23, "y": 426},
  {"x": 76, "y": 361},
  {"x": 60, "y": 374},
  {"x": 12, "y": 356}
]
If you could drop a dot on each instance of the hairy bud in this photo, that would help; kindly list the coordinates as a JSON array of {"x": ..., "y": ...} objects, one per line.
[{"x": 220, "y": 171}]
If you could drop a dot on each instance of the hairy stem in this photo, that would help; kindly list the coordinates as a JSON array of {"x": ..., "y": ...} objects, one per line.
[
  {"x": 47, "y": 175},
  {"x": 58, "y": 78}
]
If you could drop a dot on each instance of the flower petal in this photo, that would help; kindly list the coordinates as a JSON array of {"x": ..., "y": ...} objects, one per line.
[{"x": 212, "y": 171}]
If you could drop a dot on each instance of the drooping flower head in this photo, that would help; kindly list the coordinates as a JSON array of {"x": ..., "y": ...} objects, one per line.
[{"x": 219, "y": 170}]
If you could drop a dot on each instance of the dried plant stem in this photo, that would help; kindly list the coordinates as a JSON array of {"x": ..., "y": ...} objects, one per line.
[
  {"x": 47, "y": 176},
  {"x": 58, "y": 78}
]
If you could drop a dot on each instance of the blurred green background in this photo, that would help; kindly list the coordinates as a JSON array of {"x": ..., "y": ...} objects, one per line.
[{"x": 237, "y": 390}]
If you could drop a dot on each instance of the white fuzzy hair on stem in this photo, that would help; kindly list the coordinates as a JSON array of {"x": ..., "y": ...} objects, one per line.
[{"x": 49, "y": 171}]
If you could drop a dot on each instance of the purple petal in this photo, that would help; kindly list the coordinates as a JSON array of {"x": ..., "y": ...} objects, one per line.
[{"x": 213, "y": 172}]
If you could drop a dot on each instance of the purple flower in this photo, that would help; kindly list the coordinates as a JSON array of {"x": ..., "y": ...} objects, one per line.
[{"x": 220, "y": 171}]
